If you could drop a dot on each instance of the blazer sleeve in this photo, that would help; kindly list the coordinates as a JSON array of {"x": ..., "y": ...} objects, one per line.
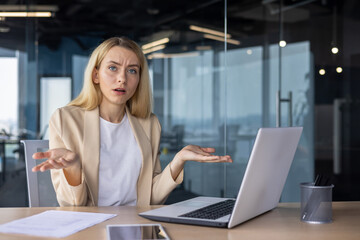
[
  {"x": 162, "y": 183},
  {"x": 66, "y": 194}
]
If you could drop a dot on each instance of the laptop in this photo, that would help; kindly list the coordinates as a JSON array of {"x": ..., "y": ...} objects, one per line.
[{"x": 260, "y": 190}]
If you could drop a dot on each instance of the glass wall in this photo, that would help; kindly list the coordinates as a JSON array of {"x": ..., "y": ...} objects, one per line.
[
  {"x": 285, "y": 63},
  {"x": 13, "y": 65},
  {"x": 9, "y": 91},
  {"x": 187, "y": 94}
]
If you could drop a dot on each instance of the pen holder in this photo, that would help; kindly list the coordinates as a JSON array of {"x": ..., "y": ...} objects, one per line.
[{"x": 316, "y": 203}]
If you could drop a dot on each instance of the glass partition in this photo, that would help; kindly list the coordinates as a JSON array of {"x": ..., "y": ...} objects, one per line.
[
  {"x": 8, "y": 91},
  {"x": 187, "y": 87},
  {"x": 265, "y": 80},
  {"x": 13, "y": 67}
]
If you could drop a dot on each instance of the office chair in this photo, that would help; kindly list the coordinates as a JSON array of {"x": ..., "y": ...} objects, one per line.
[{"x": 40, "y": 189}]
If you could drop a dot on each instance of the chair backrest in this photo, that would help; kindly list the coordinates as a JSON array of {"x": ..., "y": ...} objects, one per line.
[{"x": 40, "y": 189}]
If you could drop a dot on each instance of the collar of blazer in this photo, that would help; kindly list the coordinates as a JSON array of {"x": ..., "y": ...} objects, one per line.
[{"x": 91, "y": 153}]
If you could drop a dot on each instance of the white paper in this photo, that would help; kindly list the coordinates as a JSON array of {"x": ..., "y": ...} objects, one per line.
[{"x": 54, "y": 223}]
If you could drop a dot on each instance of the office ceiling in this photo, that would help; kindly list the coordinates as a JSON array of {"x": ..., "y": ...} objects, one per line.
[{"x": 147, "y": 20}]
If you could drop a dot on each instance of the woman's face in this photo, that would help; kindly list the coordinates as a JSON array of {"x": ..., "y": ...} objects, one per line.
[{"x": 118, "y": 76}]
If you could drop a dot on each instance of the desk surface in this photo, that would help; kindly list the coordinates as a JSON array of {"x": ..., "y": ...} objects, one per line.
[{"x": 280, "y": 223}]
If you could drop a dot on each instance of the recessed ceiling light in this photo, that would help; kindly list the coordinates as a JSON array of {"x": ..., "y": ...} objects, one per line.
[
  {"x": 282, "y": 43},
  {"x": 334, "y": 50},
  {"x": 25, "y": 14}
]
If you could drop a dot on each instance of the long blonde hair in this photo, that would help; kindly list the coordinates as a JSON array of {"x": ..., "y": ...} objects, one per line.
[{"x": 140, "y": 104}]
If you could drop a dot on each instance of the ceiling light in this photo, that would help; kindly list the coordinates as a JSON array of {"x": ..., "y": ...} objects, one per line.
[
  {"x": 249, "y": 51},
  {"x": 322, "y": 71},
  {"x": 153, "y": 49},
  {"x": 232, "y": 41},
  {"x": 339, "y": 69},
  {"x": 334, "y": 50},
  {"x": 173, "y": 55},
  {"x": 25, "y": 14},
  {"x": 155, "y": 43},
  {"x": 282, "y": 43},
  {"x": 210, "y": 31}
]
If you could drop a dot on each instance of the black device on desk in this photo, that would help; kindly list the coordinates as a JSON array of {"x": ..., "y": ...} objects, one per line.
[{"x": 136, "y": 231}]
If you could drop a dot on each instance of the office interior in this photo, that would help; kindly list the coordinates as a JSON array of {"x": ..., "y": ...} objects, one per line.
[{"x": 220, "y": 70}]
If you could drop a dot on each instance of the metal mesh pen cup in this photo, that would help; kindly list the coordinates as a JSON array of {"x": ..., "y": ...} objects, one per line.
[{"x": 316, "y": 203}]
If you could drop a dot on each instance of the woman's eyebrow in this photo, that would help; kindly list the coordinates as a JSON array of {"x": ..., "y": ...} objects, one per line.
[
  {"x": 130, "y": 65},
  {"x": 111, "y": 61},
  {"x": 134, "y": 65}
]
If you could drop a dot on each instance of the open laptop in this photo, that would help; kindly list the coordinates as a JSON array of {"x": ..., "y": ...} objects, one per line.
[{"x": 260, "y": 191}]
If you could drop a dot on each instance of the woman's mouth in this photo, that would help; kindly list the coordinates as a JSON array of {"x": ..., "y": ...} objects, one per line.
[{"x": 119, "y": 90}]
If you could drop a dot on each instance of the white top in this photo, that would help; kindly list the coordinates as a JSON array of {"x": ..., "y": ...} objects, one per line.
[{"x": 120, "y": 164}]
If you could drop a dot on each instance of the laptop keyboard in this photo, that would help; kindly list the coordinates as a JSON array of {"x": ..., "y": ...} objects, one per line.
[{"x": 213, "y": 211}]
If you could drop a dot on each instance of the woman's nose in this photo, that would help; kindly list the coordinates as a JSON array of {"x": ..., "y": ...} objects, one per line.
[{"x": 121, "y": 76}]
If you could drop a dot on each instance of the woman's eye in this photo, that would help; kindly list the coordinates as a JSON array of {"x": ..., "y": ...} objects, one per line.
[
  {"x": 112, "y": 68},
  {"x": 132, "y": 71}
]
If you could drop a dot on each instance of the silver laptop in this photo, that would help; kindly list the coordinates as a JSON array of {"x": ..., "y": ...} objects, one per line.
[{"x": 260, "y": 191}]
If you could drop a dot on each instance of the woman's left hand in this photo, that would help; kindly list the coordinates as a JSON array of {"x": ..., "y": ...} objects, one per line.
[
  {"x": 197, "y": 154},
  {"x": 200, "y": 154}
]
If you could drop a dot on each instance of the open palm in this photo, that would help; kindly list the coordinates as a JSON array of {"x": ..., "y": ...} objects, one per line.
[
  {"x": 200, "y": 154},
  {"x": 57, "y": 158}
]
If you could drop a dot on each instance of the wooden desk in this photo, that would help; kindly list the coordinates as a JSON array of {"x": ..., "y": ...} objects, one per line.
[{"x": 280, "y": 223}]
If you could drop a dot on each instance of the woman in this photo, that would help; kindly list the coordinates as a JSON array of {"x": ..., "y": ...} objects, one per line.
[{"x": 104, "y": 146}]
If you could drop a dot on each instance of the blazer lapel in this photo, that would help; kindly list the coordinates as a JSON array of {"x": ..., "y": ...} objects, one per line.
[
  {"x": 145, "y": 178},
  {"x": 91, "y": 152}
]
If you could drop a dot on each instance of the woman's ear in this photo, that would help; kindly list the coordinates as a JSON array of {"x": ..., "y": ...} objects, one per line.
[{"x": 95, "y": 76}]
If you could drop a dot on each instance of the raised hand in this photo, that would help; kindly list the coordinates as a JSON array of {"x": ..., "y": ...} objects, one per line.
[
  {"x": 57, "y": 158},
  {"x": 197, "y": 154},
  {"x": 200, "y": 154}
]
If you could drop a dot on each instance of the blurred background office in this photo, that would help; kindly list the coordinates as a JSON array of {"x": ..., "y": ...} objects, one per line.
[{"x": 220, "y": 69}]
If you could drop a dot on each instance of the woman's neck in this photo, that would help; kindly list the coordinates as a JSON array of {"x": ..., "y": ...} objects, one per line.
[{"x": 112, "y": 114}]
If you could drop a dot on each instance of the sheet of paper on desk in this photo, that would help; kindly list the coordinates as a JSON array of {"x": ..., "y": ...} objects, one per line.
[{"x": 54, "y": 223}]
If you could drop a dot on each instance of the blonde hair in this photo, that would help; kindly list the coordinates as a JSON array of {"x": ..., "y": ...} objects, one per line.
[{"x": 140, "y": 104}]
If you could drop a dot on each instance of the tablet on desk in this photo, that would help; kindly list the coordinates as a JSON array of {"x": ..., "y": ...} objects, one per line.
[{"x": 136, "y": 231}]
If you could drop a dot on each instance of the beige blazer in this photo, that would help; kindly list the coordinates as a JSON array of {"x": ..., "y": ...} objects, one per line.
[{"x": 78, "y": 130}]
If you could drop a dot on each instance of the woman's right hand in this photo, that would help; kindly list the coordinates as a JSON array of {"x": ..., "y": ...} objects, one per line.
[{"x": 57, "y": 158}]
